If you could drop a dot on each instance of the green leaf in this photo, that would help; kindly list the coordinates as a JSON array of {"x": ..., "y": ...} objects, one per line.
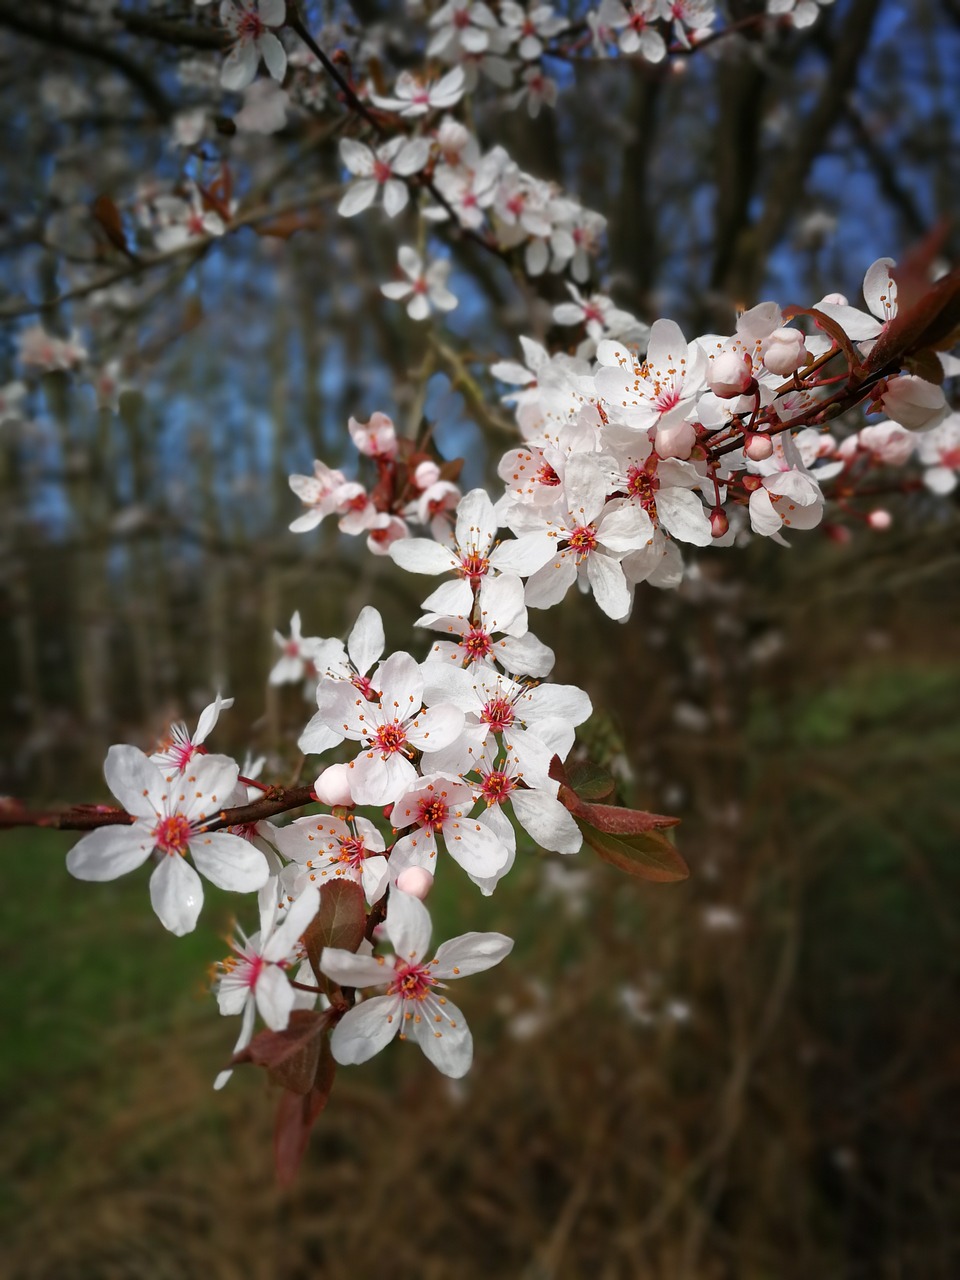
[{"x": 589, "y": 781}]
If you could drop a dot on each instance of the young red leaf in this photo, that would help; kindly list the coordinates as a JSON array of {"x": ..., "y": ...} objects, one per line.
[
  {"x": 291, "y": 1056},
  {"x": 589, "y": 781},
  {"x": 645, "y": 854},
  {"x": 340, "y": 922},
  {"x": 296, "y": 1115}
]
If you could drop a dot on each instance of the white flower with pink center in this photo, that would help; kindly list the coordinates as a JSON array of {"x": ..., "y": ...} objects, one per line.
[
  {"x": 378, "y": 171},
  {"x": 375, "y": 439},
  {"x": 473, "y": 555},
  {"x": 880, "y": 295},
  {"x": 788, "y": 495},
  {"x": 391, "y": 730},
  {"x": 592, "y": 536},
  {"x": 499, "y": 607},
  {"x": 319, "y": 493},
  {"x": 425, "y": 287},
  {"x": 180, "y": 747},
  {"x": 297, "y": 654},
  {"x": 248, "y": 24},
  {"x": 327, "y": 848},
  {"x": 414, "y": 97},
  {"x": 441, "y": 804},
  {"x": 602, "y": 317},
  {"x": 169, "y": 817},
  {"x": 254, "y": 977},
  {"x": 413, "y": 1005},
  {"x": 660, "y": 390},
  {"x": 337, "y": 663},
  {"x": 634, "y": 24}
]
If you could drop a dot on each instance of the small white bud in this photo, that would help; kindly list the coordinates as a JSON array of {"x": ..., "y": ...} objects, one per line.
[
  {"x": 785, "y": 352},
  {"x": 332, "y": 787},
  {"x": 416, "y": 881},
  {"x": 729, "y": 375}
]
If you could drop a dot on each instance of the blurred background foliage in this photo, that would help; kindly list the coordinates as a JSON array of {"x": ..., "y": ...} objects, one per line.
[{"x": 753, "y": 1074}]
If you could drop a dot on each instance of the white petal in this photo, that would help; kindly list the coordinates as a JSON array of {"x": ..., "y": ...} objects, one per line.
[
  {"x": 357, "y": 197},
  {"x": 109, "y": 852},
  {"x": 176, "y": 894},
  {"x": 395, "y": 197},
  {"x": 547, "y": 821},
  {"x": 272, "y": 12},
  {"x": 211, "y": 714},
  {"x": 356, "y": 157},
  {"x": 206, "y": 787},
  {"x": 275, "y": 997},
  {"x": 365, "y": 643},
  {"x": 239, "y": 66},
  {"x": 470, "y": 953},
  {"x": 683, "y": 516},
  {"x": 436, "y": 728},
  {"x": 365, "y": 1030},
  {"x": 318, "y": 736},
  {"x": 351, "y": 970},
  {"x": 135, "y": 780},
  {"x": 422, "y": 555},
  {"x": 442, "y": 1033},
  {"x": 411, "y": 157},
  {"x": 273, "y": 54},
  {"x": 229, "y": 861},
  {"x": 294, "y": 923},
  {"x": 408, "y": 926},
  {"x": 475, "y": 847}
]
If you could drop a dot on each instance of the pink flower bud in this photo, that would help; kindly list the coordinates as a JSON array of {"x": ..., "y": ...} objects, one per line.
[
  {"x": 913, "y": 402},
  {"x": 879, "y": 519},
  {"x": 426, "y": 474},
  {"x": 416, "y": 881},
  {"x": 676, "y": 441},
  {"x": 751, "y": 482},
  {"x": 759, "y": 446},
  {"x": 719, "y": 524},
  {"x": 785, "y": 352},
  {"x": 376, "y": 438},
  {"x": 838, "y": 533},
  {"x": 729, "y": 375},
  {"x": 333, "y": 787}
]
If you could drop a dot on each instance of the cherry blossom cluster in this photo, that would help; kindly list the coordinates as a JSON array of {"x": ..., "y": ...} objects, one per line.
[{"x": 411, "y": 488}]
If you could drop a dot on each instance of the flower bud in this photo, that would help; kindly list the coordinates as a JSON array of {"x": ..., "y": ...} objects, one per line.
[
  {"x": 426, "y": 474},
  {"x": 879, "y": 519},
  {"x": 758, "y": 447},
  {"x": 332, "y": 787},
  {"x": 416, "y": 881},
  {"x": 751, "y": 482},
  {"x": 913, "y": 402},
  {"x": 785, "y": 352},
  {"x": 719, "y": 524},
  {"x": 729, "y": 375},
  {"x": 676, "y": 441}
]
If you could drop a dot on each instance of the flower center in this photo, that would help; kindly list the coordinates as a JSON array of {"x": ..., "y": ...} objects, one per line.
[
  {"x": 365, "y": 687},
  {"x": 498, "y": 714},
  {"x": 643, "y": 486},
  {"x": 477, "y": 644},
  {"x": 250, "y": 25},
  {"x": 411, "y": 982},
  {"x": 433, "y": 814},
  {"x": 473, "y": 566},
  {"x": 352, "y": 852},
  {"x": 172, "y": 834},
  {"x": 546, "y": 475},
  {"x": 391, "y": 738},
  {"x": 583, "y": 539},
  {"x": 382, "y": 172},
  {"x": 497, "y": 786}
]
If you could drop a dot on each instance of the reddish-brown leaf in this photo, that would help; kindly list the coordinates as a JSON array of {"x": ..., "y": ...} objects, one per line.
[
  {"x": 107, "y": 214},
  {"x": 589, "y": 781},
  {"x": 645, "y": 854},
  {"x": 340, "y": 922},
  {"x": 929, "y": 324},
  {"x": 296, "y": 1116},
  {"x": 291, "y": 1056}
]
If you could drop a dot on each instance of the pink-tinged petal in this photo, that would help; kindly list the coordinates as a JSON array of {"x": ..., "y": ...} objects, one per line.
[
  {"x": 110, "y": 852},
  {"x": 206, "y": 787},
  {"x": 879, "y": 288},
  {"x": 357, "y": 197},
  {"x": 408, "y": 926},
  {"x": 351, "y": 970},
  {"x": 229, "y": 862},
  {"x": 275, "y": 997},
  {"x": 357, "y": 158},
  {"x": 246, "y": 1035},
  {"x": 293, "y": 924},
  {"x": 135, "y": 780},
  {"x": 239, "y": 67},
  {"x": 176, "y": 894},
  {"x": 423, "y": 555},
  {"x": 309, "y": 520},
  {"x": 274, "y": 55},
  {"x": 470, "y": 953},
  {"x": 366, "y": 641},
  {"x": 475, "y": 847},
  {"x": 585, "y": 486},
  {"x": 436, "y": 728},
  {"x": 547, "y": 821},
  {"x": 442, "y": 1033},
  {"x": 273, "y": 12},
  {"x": 374, "y": 876},
  {"x": 365, "y": 1030},
  {"x": 395, "y": 197}
]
